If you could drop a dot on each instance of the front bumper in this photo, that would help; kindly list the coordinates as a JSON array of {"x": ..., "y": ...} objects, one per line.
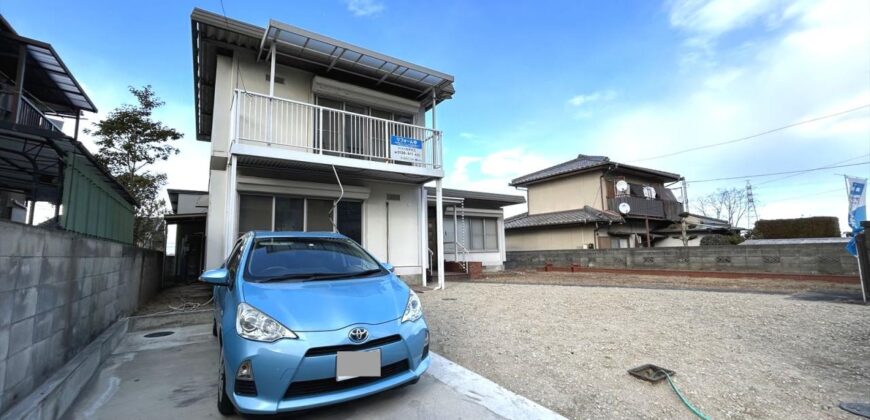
[{"x": 276, "y": 365}]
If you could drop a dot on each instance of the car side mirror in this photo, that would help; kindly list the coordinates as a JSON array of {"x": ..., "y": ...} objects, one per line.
[
  {"x": 389, "y": 267},
  {"x": 217, "y": 277}
]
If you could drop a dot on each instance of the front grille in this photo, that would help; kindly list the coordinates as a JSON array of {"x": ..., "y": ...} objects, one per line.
[
  {"x": 378, "y": 342},
  {"x": 247, "y": 388},
  {"x": 319, "y": 386}
]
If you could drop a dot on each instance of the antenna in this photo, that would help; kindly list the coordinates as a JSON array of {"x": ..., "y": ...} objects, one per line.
[{"x": 751, "y": 211}]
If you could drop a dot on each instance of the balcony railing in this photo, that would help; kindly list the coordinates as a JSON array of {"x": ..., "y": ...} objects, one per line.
[
  {"x": 643, "y": 207},
  {"x": 28, "y": 113},
  {"x": 316, "y": 129}
]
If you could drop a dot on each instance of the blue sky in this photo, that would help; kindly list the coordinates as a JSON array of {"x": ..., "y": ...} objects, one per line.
[{"x": 539, "y": 82}]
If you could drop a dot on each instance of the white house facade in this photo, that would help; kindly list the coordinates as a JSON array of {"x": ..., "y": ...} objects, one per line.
[{"x": 309, "y": 133}]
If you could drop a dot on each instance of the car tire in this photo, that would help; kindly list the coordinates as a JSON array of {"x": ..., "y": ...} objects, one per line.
[{"x": 224, "y": 405}]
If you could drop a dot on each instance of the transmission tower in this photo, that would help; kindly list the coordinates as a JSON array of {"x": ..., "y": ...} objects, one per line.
[{"x": 751, "y": 211}]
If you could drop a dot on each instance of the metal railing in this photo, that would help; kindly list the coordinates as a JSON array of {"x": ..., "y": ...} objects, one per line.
[
  {"x": 30, "y": 115},
  {"x": 316, "y": 129},
  {"x": 644, "y": 207}
]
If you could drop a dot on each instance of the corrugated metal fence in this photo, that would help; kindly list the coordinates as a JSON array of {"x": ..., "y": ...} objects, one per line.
[{"x": 91, "y": 207}]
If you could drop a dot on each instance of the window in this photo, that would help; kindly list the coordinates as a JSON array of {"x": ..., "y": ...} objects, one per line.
[
  {"x": 260, "y": 212},
  {"x": 318, "y": 216},
  {"x": 289, "y": 214},
  {"x": 255, "y": 213},
  {"x": 349, "y": 219},
  {"x": 345, "y": 133},
  {"x": 480, "y": 233}
]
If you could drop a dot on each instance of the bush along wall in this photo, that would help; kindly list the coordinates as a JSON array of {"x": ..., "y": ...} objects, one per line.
[{"x": 807, "y": 227}]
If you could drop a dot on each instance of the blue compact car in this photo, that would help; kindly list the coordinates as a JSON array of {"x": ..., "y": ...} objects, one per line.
[{"x": 311, "y": 319}]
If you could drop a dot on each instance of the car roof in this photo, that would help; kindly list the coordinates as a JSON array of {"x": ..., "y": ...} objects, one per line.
[{"x": 296, "y": 234}]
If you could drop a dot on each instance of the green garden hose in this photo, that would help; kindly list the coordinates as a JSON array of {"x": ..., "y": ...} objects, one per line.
[{"x": 686, "y": 402}]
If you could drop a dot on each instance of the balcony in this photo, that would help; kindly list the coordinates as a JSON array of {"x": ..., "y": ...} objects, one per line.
[
  {"x": 263, "y": 120},
  {"x": 644, "y": 207},
  {"x": 28, "y": 114}
]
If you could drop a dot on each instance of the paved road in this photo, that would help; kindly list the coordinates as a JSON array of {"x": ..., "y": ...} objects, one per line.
[{"x": 175, "y": 377}]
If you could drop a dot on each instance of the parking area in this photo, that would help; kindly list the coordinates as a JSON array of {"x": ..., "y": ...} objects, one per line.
[
  {"x": 736, "y": 354},
  {"x": 175, "y": 376}
]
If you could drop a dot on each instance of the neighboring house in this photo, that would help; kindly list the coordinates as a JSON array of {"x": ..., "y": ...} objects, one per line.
[
  {"x": 697, "y": 227},
  {"x": 38, "y": 162},
  {"x": 473, "y": 227},
  {"x": 592, "y": 202},
  {"x": 185, "y": 235},
  {"x": 309, "y": 133}
]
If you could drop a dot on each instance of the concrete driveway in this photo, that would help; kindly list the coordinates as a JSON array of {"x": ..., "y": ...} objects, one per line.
[{"x": 175, "y": 376}]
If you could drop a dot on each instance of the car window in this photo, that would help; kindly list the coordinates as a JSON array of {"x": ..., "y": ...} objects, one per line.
[
  {"x": 232, "y": 264},
  {"x": 277, "y": 257}
]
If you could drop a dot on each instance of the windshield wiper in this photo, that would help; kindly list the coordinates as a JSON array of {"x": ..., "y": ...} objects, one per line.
[
  {"x": 320, "y": 276},
  {"x": 343, "y": 275}
]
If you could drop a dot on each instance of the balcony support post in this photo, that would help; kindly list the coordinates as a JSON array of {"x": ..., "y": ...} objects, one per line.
[
  {"x": 19, "y": 84},
  {"x": 439, "y": 232},
  {"x": 231, "y": 211}
]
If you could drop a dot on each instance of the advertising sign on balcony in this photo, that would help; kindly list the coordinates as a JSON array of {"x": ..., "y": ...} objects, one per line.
[{"x": 406, "y": 149}]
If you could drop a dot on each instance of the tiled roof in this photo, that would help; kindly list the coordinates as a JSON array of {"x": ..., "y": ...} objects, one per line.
[
  {"x": 583, "y": 163},
  {"x": 580, "y": 216}
]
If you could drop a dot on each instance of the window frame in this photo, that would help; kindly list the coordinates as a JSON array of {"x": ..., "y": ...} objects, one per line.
[
  {"x": 467, "y": 241},
  {"x": 304, "y": 199}
]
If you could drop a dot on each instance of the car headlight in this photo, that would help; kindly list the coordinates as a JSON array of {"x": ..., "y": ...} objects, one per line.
[
  {"x": 255, "y": 325},
  {"x": 413, "y": 310}
]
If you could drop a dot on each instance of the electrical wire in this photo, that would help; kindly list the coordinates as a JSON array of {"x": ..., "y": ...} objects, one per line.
[
  {"x": 335, "y": 204},
  {"x": 794, "y": 175},
  {"x": 763, "y": 133},
  {"x": 776, "y": 173}
]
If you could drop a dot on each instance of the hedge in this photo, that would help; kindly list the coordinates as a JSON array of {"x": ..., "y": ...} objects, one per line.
[{"x": 807, "y": 227}]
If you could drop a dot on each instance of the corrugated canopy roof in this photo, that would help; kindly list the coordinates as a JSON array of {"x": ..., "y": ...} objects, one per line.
[
  {"x": 46, "y": 77},
  {"x": 496, "y": 200},
  {"x": 214, "y": 34},
  {"x": 31, "y": 161}
]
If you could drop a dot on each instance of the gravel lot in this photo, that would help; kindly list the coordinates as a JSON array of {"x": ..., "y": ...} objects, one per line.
[{"x": 736, "y": 355}]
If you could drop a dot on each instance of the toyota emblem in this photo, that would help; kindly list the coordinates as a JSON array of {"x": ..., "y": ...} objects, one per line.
[{"x": 358, "y": 335}]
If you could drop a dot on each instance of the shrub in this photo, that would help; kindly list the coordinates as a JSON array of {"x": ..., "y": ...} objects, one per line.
[
  {"x": 807, "y": 227},
  {"x": 721, "y": 240}
]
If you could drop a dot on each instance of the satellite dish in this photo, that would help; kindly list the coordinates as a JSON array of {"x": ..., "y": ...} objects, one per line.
[
  {"x": 621, "y": 186},
  {"x": 624, "y": 208}
]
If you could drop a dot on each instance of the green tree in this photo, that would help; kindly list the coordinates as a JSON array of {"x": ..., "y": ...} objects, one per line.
[{"x": 130, "y": 140}]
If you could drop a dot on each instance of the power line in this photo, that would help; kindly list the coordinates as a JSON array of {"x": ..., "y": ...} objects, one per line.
[
  {"x": 793, "y": 175},
  {"x": 777, "y": 173},
  {"x": 737, "y": 140}
]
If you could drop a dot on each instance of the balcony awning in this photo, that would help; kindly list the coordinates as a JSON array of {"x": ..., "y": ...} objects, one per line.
[
  {"x": 32, "y": 161},
  {"x": 320, "y": 54},
  {"x": 214, "y": 34},
  {"x": 46, "y": 77}
]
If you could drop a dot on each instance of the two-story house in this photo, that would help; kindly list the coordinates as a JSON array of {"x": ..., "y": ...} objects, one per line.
[
  {"x": 309, "y": 133},
  {"x": 592, "y": 202}
]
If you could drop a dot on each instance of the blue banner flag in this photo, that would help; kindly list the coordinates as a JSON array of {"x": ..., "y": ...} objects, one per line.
[{"x": 857, "y": 190}]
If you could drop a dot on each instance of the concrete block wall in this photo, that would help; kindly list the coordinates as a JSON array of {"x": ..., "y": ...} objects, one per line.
[
  {"x": 806, "y": 259},
  {"x": 58, "y": 291}
]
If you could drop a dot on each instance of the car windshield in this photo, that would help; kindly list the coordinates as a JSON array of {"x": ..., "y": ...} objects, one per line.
[{"x": 285, "y": 259}]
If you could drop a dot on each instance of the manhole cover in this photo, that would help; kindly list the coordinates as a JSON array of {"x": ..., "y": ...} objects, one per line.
[{"x": 159, "y": 334}]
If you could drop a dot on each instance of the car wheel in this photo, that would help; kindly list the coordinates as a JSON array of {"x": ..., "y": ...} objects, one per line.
[
  {"x": 224, "y": 405},
  {"x": 214, "y": 327}
]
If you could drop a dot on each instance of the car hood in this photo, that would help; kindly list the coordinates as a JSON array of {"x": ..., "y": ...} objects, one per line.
[{"x": 329, "y": 304}]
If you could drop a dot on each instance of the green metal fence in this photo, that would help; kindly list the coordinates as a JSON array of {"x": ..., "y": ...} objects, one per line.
[{"x": 91, "y": 207}]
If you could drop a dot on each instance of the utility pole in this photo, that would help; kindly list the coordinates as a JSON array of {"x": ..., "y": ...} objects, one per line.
[{"x": 751, "y": 211}]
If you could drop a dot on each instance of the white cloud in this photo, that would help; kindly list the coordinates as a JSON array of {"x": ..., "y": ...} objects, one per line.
[
  {"x": 467, "y": 136},
  {"x": 493, "y": 172},
  {"x": 711, "y": 18},
  {"x": 581, "y": 100},
  {"x": 364, "y": 7},
  {"x": 807, "y": 69}
]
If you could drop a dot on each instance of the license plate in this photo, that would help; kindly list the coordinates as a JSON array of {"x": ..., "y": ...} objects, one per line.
[{"x": 354, "y": 364}]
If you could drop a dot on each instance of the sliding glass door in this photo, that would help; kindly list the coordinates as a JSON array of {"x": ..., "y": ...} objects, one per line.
[{"x": 279, "y": 213}]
